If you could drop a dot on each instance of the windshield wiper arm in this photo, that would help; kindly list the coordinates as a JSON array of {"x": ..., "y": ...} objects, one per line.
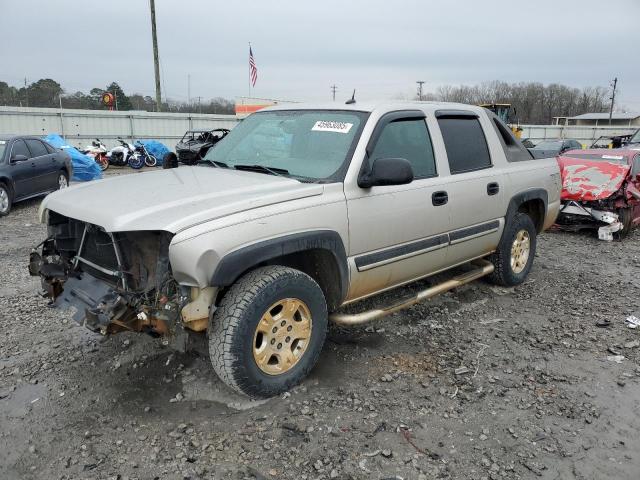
[
  {"x": 280, "y": 172},
  {"x": 215, "y": 163}
]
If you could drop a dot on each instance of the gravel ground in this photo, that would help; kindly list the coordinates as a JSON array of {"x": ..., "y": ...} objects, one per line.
[{"x": 482, "y": 382}]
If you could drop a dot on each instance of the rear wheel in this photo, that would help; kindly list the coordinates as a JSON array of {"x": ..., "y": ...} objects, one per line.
[
  {"x": 268, "y": 331},
  {"x": 5, "y": 200},
  {"x": 135, "y": 161},
  {"x": 514, "y": 257},
  {"x": 102, "y": 161}
]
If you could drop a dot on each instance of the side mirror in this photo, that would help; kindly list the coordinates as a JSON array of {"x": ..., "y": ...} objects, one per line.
[
  {"x": 19, "y": 158},
  {"x": 387, "y": 171}
]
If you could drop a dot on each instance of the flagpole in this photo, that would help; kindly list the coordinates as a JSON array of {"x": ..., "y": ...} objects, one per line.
[{"x": 249, "y": 71}]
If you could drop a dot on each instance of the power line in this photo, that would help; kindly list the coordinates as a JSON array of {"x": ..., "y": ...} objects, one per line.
[
  {"x": 420, "y": 83},
  {"x": 333, "y": 91}
]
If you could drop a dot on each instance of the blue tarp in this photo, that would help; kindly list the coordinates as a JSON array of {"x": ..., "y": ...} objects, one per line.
[
  {"x": 155, "y": 148},
  {"x": 84, "y": 168}
]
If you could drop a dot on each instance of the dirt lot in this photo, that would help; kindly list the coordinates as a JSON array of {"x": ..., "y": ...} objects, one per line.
[{"x": 483, "y": 382}]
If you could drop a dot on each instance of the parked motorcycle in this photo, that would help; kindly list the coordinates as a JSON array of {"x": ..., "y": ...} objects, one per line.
[
  {"x": 98, "y": 152},
  {"x": 149, "y": 160},
  {"x": 125, "y": 154}
]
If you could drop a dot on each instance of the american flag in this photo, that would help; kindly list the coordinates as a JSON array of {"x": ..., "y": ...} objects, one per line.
[{"x": 253, "y": 70}]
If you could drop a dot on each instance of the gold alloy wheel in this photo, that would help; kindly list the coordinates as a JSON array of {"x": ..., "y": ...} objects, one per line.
[
  {"x": 520, "y": 251},
  {"x": 282, "y": 336}
]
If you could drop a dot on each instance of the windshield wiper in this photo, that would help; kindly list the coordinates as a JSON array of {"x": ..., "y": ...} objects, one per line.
[
  {"x": 280, "y": 172},
  {"x": 215, "y": 163}
]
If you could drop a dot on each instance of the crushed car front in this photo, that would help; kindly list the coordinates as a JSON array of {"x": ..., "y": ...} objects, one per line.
[{"x": 598, "y": 186}]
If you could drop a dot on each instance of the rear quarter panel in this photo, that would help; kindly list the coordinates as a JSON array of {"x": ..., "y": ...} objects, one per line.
[{"x": 541, "y": 173}]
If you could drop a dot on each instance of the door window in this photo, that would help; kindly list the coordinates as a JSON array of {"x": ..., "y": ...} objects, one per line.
[
  {"x": 19, "y": 148},
  {"x": 36, "y": 147},
  {"x": 465, "y": 143},
  {"x": 408, "y": 139}
]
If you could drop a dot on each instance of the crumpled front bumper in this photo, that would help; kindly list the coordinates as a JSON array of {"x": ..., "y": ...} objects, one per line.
[{"x": 576, "y": 216}]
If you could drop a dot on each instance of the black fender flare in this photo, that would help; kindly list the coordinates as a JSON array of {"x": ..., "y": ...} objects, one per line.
[
  {"x": 525, "y": 196},
  {"x": 235, "y": 263}
]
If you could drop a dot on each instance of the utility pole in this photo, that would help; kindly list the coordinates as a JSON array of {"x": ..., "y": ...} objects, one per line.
[
  {"x": 333, "y": 91},
  {"x": 420, "y": 83},
  {"x": 156, "y": 62},
  {"x": 189, "y": 89},
  {"x": 26, "y": 92},
  {"x": 613, "y": 98}
]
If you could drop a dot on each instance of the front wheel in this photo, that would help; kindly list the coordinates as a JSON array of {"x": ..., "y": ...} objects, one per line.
[
  {"x": 102, "y": 161},
  {"x": 136, "y": 162},
  {"x": 150, "y": 161},
  {"x": 5, "y": 200},
  {"x": 625, "y": 216},
  {"x": 63, "y": 181},
  {"x": 267, "y": 333},
  {"x": 514, "y": 257}
]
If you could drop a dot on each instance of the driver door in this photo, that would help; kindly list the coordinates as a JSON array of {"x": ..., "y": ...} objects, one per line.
[
  {"x": 398, "y": 233},
  {"x": 23, "y": 172}
]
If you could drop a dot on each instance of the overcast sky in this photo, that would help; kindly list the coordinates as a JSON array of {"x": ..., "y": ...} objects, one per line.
[{"x": 301, "y": 47}]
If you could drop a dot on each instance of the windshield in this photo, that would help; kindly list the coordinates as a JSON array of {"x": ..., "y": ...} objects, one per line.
[
  {"x": 635, "y": 138},
  {"x": 308, "y": 144},
  {"x": 549, "y": 145},
  {"x": 601, "y": 157}
]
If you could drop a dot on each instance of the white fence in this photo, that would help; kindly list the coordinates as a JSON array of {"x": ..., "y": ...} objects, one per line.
[
  {"x": 585, "y": 135},
  {"x": 79, "y": 127}
]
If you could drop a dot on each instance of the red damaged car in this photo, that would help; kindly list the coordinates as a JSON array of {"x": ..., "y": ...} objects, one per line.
[{"x": 600, "y": 190}]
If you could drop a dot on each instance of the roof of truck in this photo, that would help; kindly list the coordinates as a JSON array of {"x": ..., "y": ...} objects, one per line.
[{"x": 371, "y": 106}]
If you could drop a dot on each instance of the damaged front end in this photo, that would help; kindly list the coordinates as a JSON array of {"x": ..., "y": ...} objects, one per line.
[
  {"x": 116, "y": 282},
  {"x": 596, "y": 192},
  {"x": 576, "y": 216}
]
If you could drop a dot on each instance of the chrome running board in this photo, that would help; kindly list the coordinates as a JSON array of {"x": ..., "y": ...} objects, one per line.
[{"x": 484, "y": 267}]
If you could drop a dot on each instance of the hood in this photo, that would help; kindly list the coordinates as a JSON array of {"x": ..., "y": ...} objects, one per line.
[
  {"x": 173, "y": 199},
  {"x": 589, "y": 179},
  {"x": 541, "y": 153}
]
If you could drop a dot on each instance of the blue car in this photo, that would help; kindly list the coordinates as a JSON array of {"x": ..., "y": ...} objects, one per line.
[{"x": 30, "y": 167}]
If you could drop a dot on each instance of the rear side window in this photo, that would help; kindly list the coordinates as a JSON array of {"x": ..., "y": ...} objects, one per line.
[
  {"x": 513, "y": 150},
  {"x": 465, "y": 143},
  {"x": 36, "y": 147},
  {"x": 19, "y": 148},
  {"x": 49, "y": 148},
  {"x": 408, "y": 139}
]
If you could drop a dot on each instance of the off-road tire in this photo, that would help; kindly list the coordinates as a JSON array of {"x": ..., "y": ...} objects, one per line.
[
  {"x": 7, "y": 191},
  {"x": 625, "y": 216},
  {"x": 233, "y": 324},
  {"x": 59, "y": 183},
  {"x": 503, "y": 274}
]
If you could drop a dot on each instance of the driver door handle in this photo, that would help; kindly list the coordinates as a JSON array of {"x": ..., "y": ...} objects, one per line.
[{"x": 439, "y": 198}]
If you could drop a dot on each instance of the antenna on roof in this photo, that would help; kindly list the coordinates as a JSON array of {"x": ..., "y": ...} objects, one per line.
[{"x": 352, "y": 100}]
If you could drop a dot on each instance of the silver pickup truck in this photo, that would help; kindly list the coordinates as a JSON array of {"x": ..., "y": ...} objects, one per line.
[{"x": 299, "y": 211}]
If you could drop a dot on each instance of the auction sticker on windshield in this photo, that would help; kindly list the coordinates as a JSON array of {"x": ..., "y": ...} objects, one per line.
[{"x": 326, "y": 126}]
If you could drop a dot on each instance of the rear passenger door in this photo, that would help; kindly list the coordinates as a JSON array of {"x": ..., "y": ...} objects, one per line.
[
  {"x": 475, "y": 188},
  {"x": 45, "y": 170}
]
